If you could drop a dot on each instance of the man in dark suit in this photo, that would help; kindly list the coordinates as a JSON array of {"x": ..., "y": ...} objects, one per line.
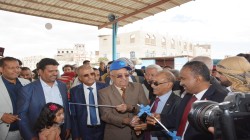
[
  {"x": 82, "y": 127},
  {"x": 163, "y": 106},
  {"x": 33, "y": 97},
  {"x": 209, "y": 63},
  {"x": 195, "y": 78},
  {"x": 125, "y": 95}
]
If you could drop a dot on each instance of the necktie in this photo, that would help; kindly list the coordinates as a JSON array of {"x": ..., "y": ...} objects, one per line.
[
  {"x": 123, "y": 93},
  {"x": 184, "y": 116},
  {"x": 92, "y": 109},
  {"x": 153, "y": 109}
]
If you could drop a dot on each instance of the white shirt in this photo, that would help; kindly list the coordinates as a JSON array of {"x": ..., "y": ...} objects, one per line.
[
  {"x": 86, "y": 94},
  {"x": 229, "y": 89},
  {"x": 52, "y": 94},
  {"x": 198, "y": 96}
]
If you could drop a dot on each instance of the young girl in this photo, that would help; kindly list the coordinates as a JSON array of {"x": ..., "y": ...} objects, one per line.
[{"x": 48, "y": 123}]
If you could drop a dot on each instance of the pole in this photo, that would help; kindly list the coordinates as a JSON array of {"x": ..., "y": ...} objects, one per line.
[{"x": 114, "y": 35}]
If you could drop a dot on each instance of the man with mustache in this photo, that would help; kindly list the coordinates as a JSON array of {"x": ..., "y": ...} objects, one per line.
[{"x": 32, "y": 98}]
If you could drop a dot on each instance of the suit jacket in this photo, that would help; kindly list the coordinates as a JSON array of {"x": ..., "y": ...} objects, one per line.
[
  {"x": 79, "y": 114},
  {"x": 191, "y": 133},
  {"x": 6, "y": 106},
  {"x": 167, "y": 117},
  {"x": 31, "y": 100},
  {"x": 218, "y": 86},
  {"x": 114, "y": 128}
]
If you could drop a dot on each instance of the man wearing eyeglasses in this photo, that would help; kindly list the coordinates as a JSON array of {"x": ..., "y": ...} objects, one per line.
[
  {"x": 86, "y": 122},
  {"x": 125, "y": 96},
  {"x": 195, "y": 78},
  {"x": 163, "y": 106}
]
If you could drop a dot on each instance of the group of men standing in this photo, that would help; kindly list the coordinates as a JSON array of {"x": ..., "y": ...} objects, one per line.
[{"x": 98, "y": 111}]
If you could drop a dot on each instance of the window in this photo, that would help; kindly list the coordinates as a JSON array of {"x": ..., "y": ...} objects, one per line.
[
  {"x": 62, "y": 51},
  {"x": 152, "y": 54},
  {"x": 58, "y": 52},
  {"x": 153, "y": 42},
  {"x": 132, "y": 38},
  {"x": 147, "y": 39},
  {"x": 71, "y": 51},
  {"x": 147, "y": 54},
  {"x": 172, "y": 44},
  {"x": 67, "y": 51},
  {"x": 163, "y": 42},
  {"x": 132, "y": 55}
]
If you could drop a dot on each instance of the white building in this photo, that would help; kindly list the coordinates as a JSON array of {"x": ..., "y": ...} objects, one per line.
[
  {"x": 139, "y": 44},
  {"x": 31, "y": 61},
  {"x": 75, "y": 55}
]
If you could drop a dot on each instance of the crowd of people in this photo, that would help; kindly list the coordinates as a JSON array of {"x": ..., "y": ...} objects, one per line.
[{"x": 86, "y": 103}]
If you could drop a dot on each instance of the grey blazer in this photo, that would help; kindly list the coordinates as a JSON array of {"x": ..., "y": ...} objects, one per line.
[{"x": 6, "y": 106}]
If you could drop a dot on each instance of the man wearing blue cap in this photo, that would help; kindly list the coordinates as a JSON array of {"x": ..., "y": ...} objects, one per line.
[{"x": 125, "y": 96}]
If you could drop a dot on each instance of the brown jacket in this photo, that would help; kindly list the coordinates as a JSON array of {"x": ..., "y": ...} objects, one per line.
[{"x": 114, "y": 129}]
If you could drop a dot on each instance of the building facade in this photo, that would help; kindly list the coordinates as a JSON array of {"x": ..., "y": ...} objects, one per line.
[
  {"x": 139, "y": 44},
  {"x": 76, "y": 55},
  {"x": 31, "y": 61}
]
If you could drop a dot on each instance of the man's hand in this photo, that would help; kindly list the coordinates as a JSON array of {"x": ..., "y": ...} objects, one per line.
[
  {"x": 135, "y": 121},
  {"x": 211, "y": 129},
  {"x": 123, "y": 108},
  {"x": 142, "y": 126},
  {"x": 9, "y": 118},
  {"x": 126, "y": 121},
  {"x": 139, "y": 128},
  {"x": 151, "y": 120}
]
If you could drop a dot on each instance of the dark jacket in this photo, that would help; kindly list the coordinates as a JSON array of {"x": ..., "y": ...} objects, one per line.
[
  {"x": 191, "y": 133},
  {"x": 30, "y": 102},
  {"x": 79, "y": 115},
  {"x": 167, "y": 117}
]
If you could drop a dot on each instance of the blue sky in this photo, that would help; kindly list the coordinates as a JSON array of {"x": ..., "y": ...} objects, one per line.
[{"x": 225, "y": 24}]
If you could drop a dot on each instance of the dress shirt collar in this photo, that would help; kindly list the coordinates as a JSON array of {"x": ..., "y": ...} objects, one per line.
[
  {"x": 93, "y": 86},
  {"x": 44, "y": 84},
  {"x": 200, "y": 94}
]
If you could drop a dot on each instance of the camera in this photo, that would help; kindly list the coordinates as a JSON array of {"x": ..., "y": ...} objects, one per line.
[{"x": 230, "y": 119}]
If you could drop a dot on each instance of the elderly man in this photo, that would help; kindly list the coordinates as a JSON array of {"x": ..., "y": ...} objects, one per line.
[
  {"x": 150, "y": 72},
  {"x": 195, "y": 78},
  {"x": 163, "y": 107},
  {"x": 32, "y": 98},
  {"x": 91, "y": 128},
  {"x": 9, "y": 86},
  {"x": 125, "y": 96}
]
